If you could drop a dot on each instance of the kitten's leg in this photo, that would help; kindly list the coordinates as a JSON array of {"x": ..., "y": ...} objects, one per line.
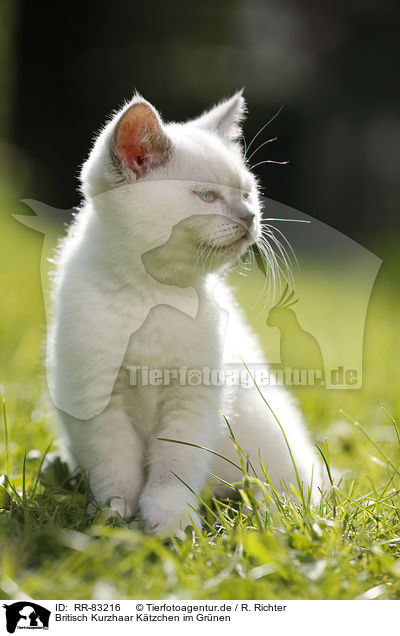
[
  {"x": 109, "y": 450},
  {"x": 193, "y": 419}
]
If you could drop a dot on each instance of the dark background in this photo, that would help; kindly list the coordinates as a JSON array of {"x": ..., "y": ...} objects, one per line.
[{"x": 334, "y": 66}]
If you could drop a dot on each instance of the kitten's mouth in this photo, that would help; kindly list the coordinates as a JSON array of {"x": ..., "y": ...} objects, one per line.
[
  {"x": 218, "y": 252},
  {"x": 234, "y": 245}
]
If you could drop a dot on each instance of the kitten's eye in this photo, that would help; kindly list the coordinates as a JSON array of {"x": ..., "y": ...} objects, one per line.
[
  {"x": 208, "y": 196},
  {"x": 245, "y": 195}
]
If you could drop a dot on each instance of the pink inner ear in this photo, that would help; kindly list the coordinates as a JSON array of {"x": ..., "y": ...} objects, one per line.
[{"x": 136, "y": 135}]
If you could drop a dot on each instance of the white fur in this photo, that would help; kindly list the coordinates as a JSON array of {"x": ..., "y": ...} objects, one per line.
[{"x": 113, "y": 312}]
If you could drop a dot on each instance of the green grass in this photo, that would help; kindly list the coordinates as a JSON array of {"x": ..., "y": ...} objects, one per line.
[{"x": 348, "y": 547}]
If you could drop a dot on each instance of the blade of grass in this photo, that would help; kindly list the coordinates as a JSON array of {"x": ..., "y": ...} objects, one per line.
[
  {"x": 396, "y": 426},
  {"x": 209, "y": 450},
  {"x": 367, "y": 435},
  {"x": 5, "y": 420},
  {"x": 33, "y": 491},
  {"x": 325, "y": 459},
  {"x": 282, "y": 431}
]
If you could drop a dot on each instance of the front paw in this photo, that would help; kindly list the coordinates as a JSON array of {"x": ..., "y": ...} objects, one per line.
[
  {"x": 165, "y": 520},
  {"x": 112, "y": 507}
]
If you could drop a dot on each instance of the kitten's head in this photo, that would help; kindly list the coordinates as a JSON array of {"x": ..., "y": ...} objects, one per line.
[{"x": 184, "y": 185}]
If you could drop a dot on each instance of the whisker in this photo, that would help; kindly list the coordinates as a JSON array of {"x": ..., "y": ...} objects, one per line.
[
  {"x": 279, "y": 163},
  {"x": 283, "y": 256},
  {"x": 270, "y": 218},
  {"x": 287, "y": 243},
  {"x": 267, "y": 253},
  {"x": 210, "y": 254},
  {"x": 260, "y": 146},
  {"x": 281, "y": 260},
  {"x": 263, "y": 127},
  {"x": 274, "y": 257},
  {"x": 271, "y": 229},
  {"x": 204, "y": 251},
  {"x": 242, "y": 263}
]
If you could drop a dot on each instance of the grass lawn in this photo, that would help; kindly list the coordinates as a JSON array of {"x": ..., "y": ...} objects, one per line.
[{"x": 346, "y": 548}]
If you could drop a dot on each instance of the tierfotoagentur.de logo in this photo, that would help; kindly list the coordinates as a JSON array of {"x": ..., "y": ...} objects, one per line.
[{"x": 26, "y": 615}]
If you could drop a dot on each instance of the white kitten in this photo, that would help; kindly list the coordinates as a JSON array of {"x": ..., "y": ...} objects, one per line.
[{"x": 167, "y": 208}]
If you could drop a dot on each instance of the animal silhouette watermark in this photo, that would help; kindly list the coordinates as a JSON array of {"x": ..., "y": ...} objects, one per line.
[
  {"x": 26, "y": 615},
  {"x": 306, "y": 348}
]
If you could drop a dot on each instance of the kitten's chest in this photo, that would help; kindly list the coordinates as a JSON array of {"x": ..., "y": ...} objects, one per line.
[
  {"x": 169, "y": 337},
  {"x": 161, "y": 356}
]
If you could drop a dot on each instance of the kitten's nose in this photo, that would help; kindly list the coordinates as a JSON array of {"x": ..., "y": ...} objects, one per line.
[{"x": 247, "y": 218}]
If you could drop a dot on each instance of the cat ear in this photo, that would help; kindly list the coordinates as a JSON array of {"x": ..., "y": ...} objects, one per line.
[
  {"x": 139, "y": 141},
  {"x": 225, "y": 118}
]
